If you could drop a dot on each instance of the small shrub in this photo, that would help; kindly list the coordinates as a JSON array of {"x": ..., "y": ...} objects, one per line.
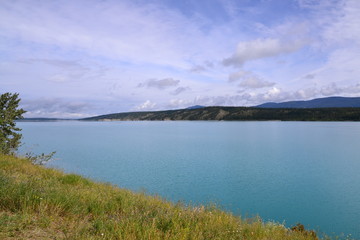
[
  {"x": 300, "y": 228},
  {"x": 40, "y": 159}
]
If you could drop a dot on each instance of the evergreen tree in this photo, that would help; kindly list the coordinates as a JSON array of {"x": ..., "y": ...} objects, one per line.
[{"x": 9, "y": 112}]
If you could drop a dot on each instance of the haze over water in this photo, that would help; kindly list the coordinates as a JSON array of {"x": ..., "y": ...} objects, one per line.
[{"x": 289, "y": 172}]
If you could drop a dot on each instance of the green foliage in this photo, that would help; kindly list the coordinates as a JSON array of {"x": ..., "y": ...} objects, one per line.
[
  {"x": 40, "y": 159},
  {"x": 42, "y": 203},
  {"x": 9, "y": 112}
]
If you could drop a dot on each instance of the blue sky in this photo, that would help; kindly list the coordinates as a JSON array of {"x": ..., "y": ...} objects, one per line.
[{"x": 82, "y": 58}]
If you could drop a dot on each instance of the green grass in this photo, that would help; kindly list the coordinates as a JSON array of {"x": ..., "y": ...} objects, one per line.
[{"x": 41, "y": 203}]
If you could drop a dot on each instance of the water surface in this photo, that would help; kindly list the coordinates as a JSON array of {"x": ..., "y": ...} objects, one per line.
[{"x": 290, "y": 172}]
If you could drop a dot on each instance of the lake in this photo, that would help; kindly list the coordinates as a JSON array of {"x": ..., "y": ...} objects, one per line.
[{"x": 289, "y": 172}]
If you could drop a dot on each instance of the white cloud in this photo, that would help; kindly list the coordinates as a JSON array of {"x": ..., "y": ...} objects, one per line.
[
  {"x": 202, "y": 67},
  {"x": 333, "y": 89},
  {"x": 260, "y": 48},
  {"x": 67, "y": 70},
  {"x": 274, "y": 94},
  {"x": 249, "y": 80},
  {"x": 198, "y": 69},
  {"x": 178, "y": 103},
  {"x": 224, "y": 100},
  {"x": 238, "y": 75},
  {"x": 59, "y": 78},
  {"x": 147, "y": 105},
  {"x": 131, "y": 41},
  {"x": 336, "y": 37},
  {"x": 128, "y": 31},
  {"x": 160, "y": 83},
  {"x": 309, "y": 76},
  {"x": 55, "y": 108},
  {"x": 306, "y": 94},
  {"x": 254, "y": 82},
  {"x": 316, "y": 4},
  {"x": 330, "y": 90},
  {"x": 344, "y": 27},
  {"x": 180, "y": 90},
  {"x": 139, "y": 28}
]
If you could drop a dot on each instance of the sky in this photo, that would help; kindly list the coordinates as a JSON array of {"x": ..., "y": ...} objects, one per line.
[{"x": 80, "y": 58}]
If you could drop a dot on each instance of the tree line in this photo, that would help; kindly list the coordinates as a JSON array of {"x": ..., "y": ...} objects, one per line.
[{"x": 10, "y": 136}]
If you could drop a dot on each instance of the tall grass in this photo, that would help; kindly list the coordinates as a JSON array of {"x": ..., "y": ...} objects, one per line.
[{"x": 42, "y": 203}]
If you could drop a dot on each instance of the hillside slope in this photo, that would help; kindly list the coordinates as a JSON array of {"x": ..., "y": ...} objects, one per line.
[{"x": 238, "y": 114}]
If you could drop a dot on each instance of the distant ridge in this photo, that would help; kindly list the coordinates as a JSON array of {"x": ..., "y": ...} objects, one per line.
[
  {"x": 237, "y": 114},
  {"x": 328, "y": 102},
  {"x": 195, "y": 107}
]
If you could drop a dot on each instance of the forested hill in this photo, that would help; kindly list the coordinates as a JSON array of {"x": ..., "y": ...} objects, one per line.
[{"x": 238, "y": 114}]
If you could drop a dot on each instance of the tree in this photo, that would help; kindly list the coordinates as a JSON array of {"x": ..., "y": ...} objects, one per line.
[{"x": 9, "y": 112}]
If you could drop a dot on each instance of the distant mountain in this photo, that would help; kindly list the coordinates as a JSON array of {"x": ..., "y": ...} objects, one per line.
[
  {"x": 195, "y": 107},
  {"x": 329, "y": 102}
]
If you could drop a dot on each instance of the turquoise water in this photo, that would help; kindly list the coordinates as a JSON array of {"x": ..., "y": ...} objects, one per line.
[{"x": 290, "y": 172}]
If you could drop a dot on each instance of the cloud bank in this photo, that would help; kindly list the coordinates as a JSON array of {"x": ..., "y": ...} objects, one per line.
[
  {"x": 112, "y": 56},
  {"x": 160, "y": 83},
  {"x": 260, "y": 48}
]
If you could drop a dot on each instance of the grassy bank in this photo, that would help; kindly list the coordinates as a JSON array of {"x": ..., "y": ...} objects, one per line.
[{"x": 41, "y": 203}]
